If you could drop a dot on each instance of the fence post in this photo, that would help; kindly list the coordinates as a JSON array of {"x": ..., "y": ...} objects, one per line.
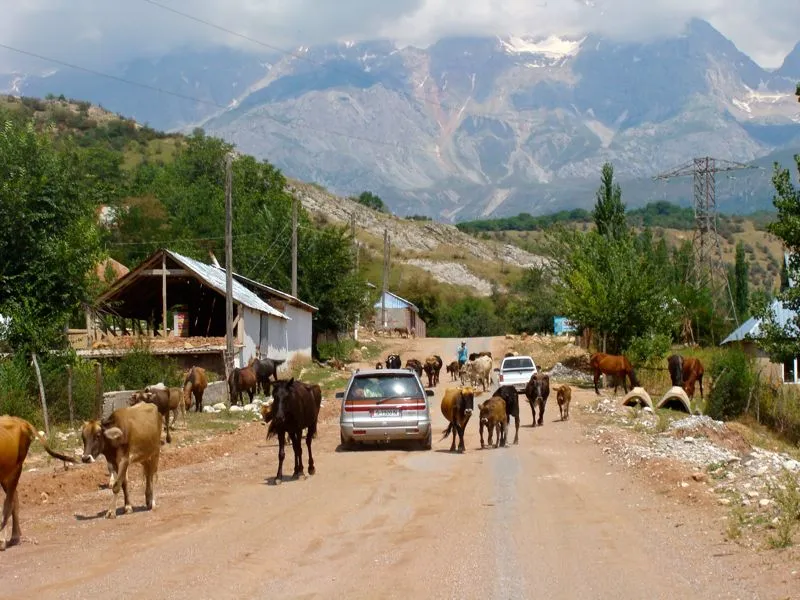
[
  {"x": 41, "y": 395},
  {"x": 98, "y": 390},
  {"x": 69, "y": 398}
]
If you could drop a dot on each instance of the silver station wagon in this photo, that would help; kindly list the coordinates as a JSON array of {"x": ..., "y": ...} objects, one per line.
[{"x": 384, "y": 405}]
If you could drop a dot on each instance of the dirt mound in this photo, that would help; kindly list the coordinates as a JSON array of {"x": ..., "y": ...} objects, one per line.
[{"x": 716, "y": 432}]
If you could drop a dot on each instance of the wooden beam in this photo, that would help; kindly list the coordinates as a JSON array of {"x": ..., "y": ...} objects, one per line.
[
  {"x": 164, "y": 292},
  {"x": 167, "y": 272}
]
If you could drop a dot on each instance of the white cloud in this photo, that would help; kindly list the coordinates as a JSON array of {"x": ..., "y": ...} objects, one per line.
[{"x": 101, "y": 32}]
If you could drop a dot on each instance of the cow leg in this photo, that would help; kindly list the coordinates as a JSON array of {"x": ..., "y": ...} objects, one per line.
[
  {"x": 542, "y": 404},
  {"x": 453, "y": 442},
  {"x": 309, "y": 437},
  {"x": 461, "y": 446},
  {"x": 516, "y": 431},
  {"x": 700, "y": 379},
  {"x": 281, "y": 456},
  {"x": 122, "y": 474},
  {"x": 149, "y": 475},
  {"x": 10, "y": 510},
  {"x": 126, "y": 497},
  {"x": 596, "y": 378},
  {"x": 533, "y": 412},
  {"x": 490, "y": 429},
  {"x": 297, "y": 446},
  {"x": 251, "y": 394},
  {"x": 166, "y": 427},
  {"x": 480, "y": 430}
]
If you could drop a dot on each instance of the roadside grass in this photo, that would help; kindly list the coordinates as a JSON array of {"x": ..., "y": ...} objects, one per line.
[{"x": 786, "y": 494}]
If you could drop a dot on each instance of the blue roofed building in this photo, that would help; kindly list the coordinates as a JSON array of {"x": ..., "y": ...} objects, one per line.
[{"x": 401, "y": 314}]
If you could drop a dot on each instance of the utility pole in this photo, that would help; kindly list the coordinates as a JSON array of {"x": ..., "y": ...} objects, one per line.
[
  {"x": 385, "y": 275},
  {"x": 294, "y": 246},
  {"x": 355, "y": 242},
  {"x": 228, "y": 264}
]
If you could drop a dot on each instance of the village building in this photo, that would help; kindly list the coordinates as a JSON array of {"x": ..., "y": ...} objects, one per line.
[
  {"x": 189, "y": 297},
  {"x": 400, "y": 314}
]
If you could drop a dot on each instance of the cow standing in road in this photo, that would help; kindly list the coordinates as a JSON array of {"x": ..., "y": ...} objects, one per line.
[
  {"x": 537, "y": 391},
  {"x": 457, "y": 407}
]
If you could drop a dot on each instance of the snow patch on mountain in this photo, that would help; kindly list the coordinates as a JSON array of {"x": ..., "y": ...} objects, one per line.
[{"x": 552, "y": 47}]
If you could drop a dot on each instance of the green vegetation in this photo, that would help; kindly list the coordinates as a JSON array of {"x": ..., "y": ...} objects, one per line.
[
  {"x": 609, "y": 211},
  {"x": 735, "y": 384},
  {"x": 372, "y": 201}
]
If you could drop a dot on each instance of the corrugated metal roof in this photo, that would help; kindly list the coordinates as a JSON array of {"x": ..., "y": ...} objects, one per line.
[
  {"x": 395, "y": 301},
  {"x": 215, "y": 278},
  {"x": 752, "y": 327}
]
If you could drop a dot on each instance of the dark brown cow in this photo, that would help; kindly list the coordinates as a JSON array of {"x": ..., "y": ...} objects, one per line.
[
  {"x": 537, "y": 391},
  {"x": 453, "y": 369},
  {"x": 194, "y": 384},
  {"x": 130, "y": 435},
  {"x": 511, "y": 397},
  {"x": 264, "y": 368},
  {"x": 379, "y": 365},
  {"x": 493, "y": 416},
  {"x": 242, "y": 380},
  {"x": 393, "y": 361},
  {"x": 476, "y": 355},
  {"x": 16, "y": 436},
  {"x": 432, "y": 368},
  {"x": 167, "y": 400},
  {"x": 457, "y": 407},
  {"x": 295, "y": 407},
  {"x": 617, "y": 366},
  {"x": 564, "y": 397},
  {"x": 414, "y": 365}
]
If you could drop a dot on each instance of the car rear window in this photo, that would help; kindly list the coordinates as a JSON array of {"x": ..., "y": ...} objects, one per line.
[
  {"x": 518, "y": 363},
  {"x": 384, "y": 386}
]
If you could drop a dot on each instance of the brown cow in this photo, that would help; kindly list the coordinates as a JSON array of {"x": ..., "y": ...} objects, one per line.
[
  {"x": 130, "y": 435},
  {"x": 537, "y": 391},
  {"x": 167, "y": 400},
  {"x": 379, "y": 365},
  {"x": 195, "y": 384},
  {"x": 242, "y": 380},
  {"x": 432, "y": 368},
  {"x": 685, "y": 372},
  {"x": 616, "y": 365},
  {"x": 414, "y": 365},
  {"x": 453, "y": 369},
  {"x": 16, "y": 436},
  {"x": 493, "y": 416},
  {"x": 457, "y": 406},
  {"x": 564, "y": 396}
]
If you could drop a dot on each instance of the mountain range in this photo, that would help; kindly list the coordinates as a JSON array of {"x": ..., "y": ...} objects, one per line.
[{"x": 476, "y": 127}]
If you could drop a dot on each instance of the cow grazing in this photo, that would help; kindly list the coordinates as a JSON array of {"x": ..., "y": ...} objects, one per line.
[
  {"x": 480, "y": 371},
  {"x": 194, "y": 384},
  {"x": 432, "y": 368},
  {"x": 16, "y": 436},
  {"x": 453, "y": 369},
  {"x": 295, "y": 407},
  {"x": 510, "y": 396},
  {"x": 242, "y": 380},
  {"x": 617, "y": 366},
  {"x": 393, "y": 361},
  {"x": 412, "y": 364},
  {"x": 493, "y": 416},
  {"x": 457, "y": 407},
  {"x": 564, "y": 396},
  {"x": 685, "y": 372},
  {"x": 537, "y": 391},
  {"x": 264, "y": 368},
  {"x": 130, "y": 435},
  {"x": 167, "y": 400}
]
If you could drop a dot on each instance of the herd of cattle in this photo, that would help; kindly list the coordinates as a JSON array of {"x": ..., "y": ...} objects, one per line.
[{"x": 477, "y": 370}]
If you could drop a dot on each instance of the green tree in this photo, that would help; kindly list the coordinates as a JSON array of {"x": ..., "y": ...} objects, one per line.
[
  {"x": 741, "y": 289},
  {"x": 51, "y": 242},
  {"x": 372, "y": 201},
  {"x": 782, "y": 340},
  {"x": 609, "y": 211}
]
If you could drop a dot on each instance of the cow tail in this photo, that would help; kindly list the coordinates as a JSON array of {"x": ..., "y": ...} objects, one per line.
[
  {"x": 33, "y": 433},
  {"x": 448, "y": 431}
]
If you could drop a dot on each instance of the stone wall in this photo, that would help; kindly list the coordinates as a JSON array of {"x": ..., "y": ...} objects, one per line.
[{"x": 215, "y": 392}]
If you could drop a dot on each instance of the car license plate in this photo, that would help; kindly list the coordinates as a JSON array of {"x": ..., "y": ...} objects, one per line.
[{"x": 386, "y": 412}]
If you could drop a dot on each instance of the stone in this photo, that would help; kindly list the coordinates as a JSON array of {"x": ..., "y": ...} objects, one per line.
[
  {"x": 724, "y": 501},
  {"x": 684, "y": 484},
  {"x": 236, "y": 409},
  {"x": 700, "y": 477},
  {"x": 688, "y": 440},
  {"x": 791, "y": 465},
  {"x": 220, "y": 406},
  {"x": 753, "y": 494},
  {"x": 764, "y": 502},
  {"x": 209, "y": 409},
  {"x": 250, "y": 407}
]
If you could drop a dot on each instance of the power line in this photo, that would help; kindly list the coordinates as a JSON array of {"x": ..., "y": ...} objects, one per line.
[{"x": 200, "y": 100}]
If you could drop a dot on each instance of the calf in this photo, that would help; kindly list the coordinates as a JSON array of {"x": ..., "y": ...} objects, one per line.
[
  {"x": 493, "y": 416},
  {"x": 457, "y": 406},
  {"x": 453, "y": 369},
  {"x": 564, "y": 395},
  {"x": 509, "y": 394},
  {"x": 167, "y": 400},
  {"x": 16, "y": 436},
  {"x": 393, "y": 361},
  {"x": 537, "y": 391},
  {"x": 130, "y": 435}
]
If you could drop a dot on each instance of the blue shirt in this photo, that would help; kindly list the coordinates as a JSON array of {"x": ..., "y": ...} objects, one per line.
[{"x": 462, "y": 353}]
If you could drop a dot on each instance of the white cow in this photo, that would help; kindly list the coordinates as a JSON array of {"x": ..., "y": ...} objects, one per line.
[{"x": 480, "y": 371}]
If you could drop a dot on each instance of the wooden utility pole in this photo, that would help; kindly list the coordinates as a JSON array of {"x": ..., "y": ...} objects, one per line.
[
  {"x": 355, "y": 241},
  {"x": 70, "y": 402},
  {"x": 164, "y": 293},
  {"x": 98, "y": 390},
  {"x": 294, "y": 246},
  {"x": 228, "y": 263},
  {"x": 385, "y": 286},
  {"x": 41, "y": 395}
]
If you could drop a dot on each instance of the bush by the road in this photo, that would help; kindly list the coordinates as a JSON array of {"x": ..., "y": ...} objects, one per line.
[{"x": 735, "y": 384}]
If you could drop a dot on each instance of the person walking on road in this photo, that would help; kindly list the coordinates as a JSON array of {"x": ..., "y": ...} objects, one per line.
[{"x": 462, "y": 354}]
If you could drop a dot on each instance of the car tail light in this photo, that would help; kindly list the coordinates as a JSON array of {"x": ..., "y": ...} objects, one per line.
[{"x": 359, "y": 431}]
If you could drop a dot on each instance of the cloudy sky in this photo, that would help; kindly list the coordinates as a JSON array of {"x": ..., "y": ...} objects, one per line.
[{"x": 97, "y": 33}]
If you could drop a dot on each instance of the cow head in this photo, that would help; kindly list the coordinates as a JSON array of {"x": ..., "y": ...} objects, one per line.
[
  {"x": 483, "y": 410},
  {"x": 467, "y": 400},
  {"x": 281, "y": 392},
  {"x": 95, "y": 437},
  {"x": 140, "y": 396},
  {"x": 538, "y": 387}
]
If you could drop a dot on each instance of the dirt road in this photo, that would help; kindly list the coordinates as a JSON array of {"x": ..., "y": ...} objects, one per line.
[{"x": 547, "y": 518}]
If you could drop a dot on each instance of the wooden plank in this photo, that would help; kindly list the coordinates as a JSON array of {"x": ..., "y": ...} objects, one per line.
[
  {"x": 164, "y": 292},
  {"x": 165, "y": 271}
]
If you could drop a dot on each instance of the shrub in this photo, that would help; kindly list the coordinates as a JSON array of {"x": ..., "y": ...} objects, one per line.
[
  {"x": 140, "y": 368},
  {"x": 735, "y": 381},
  {"x": 780, "y": 410},
  {"x": 340, "y": 349},
  {"x": 648, "y": 350},
  {"x": 16, "y": 385}
]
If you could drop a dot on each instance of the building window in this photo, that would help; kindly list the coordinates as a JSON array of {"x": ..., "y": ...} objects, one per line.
[{"x": 790, "y": 371}]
